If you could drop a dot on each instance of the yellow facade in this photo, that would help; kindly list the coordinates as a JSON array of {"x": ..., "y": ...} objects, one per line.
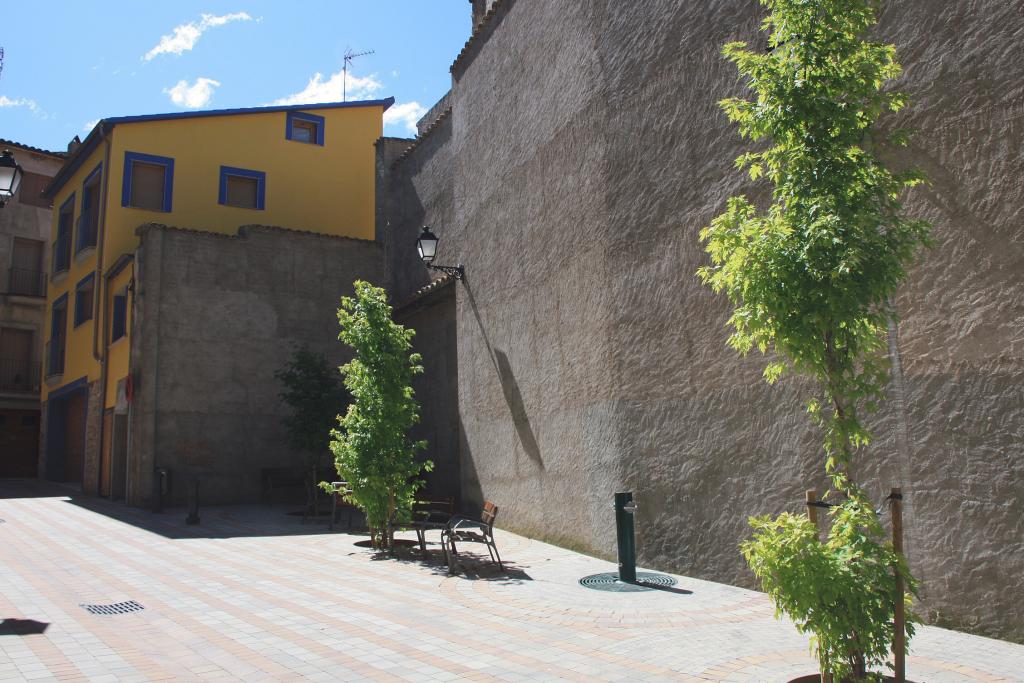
[{"x": 326, "y": 188}]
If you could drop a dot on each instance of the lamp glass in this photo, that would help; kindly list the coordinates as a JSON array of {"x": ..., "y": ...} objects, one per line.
[
  {"x": 426, "y": 245},
  {"x": 10, "y": 176}
]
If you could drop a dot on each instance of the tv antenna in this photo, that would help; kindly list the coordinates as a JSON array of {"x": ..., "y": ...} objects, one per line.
[
  {"x": 349, "y": 56},
  {"x": 1, "y": 60}
]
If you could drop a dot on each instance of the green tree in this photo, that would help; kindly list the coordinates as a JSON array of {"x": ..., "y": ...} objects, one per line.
[
  {"x": 810, "y": 276},
  {"x": 372, "y": 450}
]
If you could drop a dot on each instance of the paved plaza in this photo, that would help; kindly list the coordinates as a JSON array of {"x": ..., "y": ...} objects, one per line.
[{"x": 254, "y": 594}]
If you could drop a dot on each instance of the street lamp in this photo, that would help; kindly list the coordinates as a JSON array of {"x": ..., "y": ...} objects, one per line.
[
  {"x": 426, "y": 245},
  {"x": 10, "y": 177}
]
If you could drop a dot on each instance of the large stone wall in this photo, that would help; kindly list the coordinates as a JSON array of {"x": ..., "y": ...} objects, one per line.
[
  {"x": 215, "y": 316},
  {"x": 584, "y": 152}
]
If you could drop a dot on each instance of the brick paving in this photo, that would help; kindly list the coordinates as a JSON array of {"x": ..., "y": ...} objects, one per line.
[{"x": 253, "y": 594}]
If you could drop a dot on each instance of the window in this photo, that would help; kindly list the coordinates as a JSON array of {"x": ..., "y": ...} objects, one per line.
[
  {"x": 308, "y": 128},
  {"x": 58, "y": 335},
  {"x": 83, "y": 299},
  {"x": 119, "y": 316},
  {"x": 17, "y": 372},
  {"x": 31, "y": 192},
  {"x": 62, "y": 245},
  {"x": 242, "y": 187},
  {"x": 148, "y": 182},
  {"x": 88, "y": 222},
  {"x": 27, "y": 277}
]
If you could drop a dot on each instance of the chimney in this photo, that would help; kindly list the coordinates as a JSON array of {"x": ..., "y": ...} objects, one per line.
[{"x": 74, "y": 145}]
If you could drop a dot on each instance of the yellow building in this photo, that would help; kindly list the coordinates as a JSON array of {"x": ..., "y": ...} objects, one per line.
[{"x": 309, "y": 168}]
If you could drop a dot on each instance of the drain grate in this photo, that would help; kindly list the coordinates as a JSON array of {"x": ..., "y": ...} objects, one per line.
[
  {"x": 116, "y": 608},
  {"x": 609, "y": 581}
]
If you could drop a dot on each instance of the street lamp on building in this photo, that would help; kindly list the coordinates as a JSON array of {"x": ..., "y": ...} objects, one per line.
[
  {"x": 426, "y": 245},
  {"x": 10, "y": 176}
]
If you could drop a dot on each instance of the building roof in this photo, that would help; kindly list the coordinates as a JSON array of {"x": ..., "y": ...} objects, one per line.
[
  {"x": 11, "y": 143},
  {"x": 104, "y": 126}
]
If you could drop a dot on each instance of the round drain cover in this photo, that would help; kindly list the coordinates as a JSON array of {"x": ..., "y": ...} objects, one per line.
[{"x": 609, "y": 581}]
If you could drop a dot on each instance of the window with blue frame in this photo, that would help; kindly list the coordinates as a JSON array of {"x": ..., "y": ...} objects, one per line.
[
  {"x": 119, "y": 316},
  {"x": 58, "y": 336},
  {"x": 84, "y": 291},
  {"x": 148, "y": 182},
  {"x": 88, "y": 221},
  {"x": 242, "y": 187},
  {"x": 61, "y": 258},
  {"x": 307, "y": 128}
]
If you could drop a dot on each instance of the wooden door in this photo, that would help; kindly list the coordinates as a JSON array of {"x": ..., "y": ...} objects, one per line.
[
  {"x": 74, "y": 449},
  {"x": 105, "y": 453}
]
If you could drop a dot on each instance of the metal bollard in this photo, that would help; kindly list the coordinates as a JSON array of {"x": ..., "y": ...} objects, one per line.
[
  {"x": 626, "y": 536},
  {"x": 161, "y": 487},
  {"x": 193, "y": 501}
]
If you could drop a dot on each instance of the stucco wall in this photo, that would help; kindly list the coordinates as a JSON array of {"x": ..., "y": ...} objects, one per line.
[
  {"x": 584, "y": 153},
  {"x": 215, "y": 317}
]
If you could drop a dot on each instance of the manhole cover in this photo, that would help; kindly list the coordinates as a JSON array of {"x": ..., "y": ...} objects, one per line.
[
  {"x": 609, "y": 581},
  {"x": 116, "y": 608}
]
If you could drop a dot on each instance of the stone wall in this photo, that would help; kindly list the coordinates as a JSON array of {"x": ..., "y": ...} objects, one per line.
[
  {"x": 215, "y": 316},
  {"x": 572, "y": 181}
]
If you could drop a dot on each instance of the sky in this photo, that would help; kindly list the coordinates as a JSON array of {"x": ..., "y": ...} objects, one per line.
[{"x": 68, "y": 64}]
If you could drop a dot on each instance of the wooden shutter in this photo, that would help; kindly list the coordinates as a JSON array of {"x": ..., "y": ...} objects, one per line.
[
  {"x": 241, "y": 191},
  {"x": 148, "y": 186}
]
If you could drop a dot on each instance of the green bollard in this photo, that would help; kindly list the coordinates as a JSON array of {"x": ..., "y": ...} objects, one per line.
[{"x": 624, "y": 532}]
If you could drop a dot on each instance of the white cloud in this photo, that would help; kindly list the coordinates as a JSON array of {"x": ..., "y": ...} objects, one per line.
[
  {"x": 407, "y": 112},
  {"x": 193, "y": 96},
  {"x": 31, "y": 105},
  {"x": 330, "y": 89},
  {"x": 89, "y": 125},
  {"x": 186, "y": 36}
]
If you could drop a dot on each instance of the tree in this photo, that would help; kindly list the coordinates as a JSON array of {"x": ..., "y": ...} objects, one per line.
[
  {"x": 314, "y": 393},
  {"x": 372, "y": 450},
  {"x": 810, "y": 277}
]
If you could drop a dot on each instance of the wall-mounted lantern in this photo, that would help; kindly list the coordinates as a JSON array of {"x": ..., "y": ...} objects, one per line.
[
  {"x": 426, "y": 245},
  {"x": 10, "y": 176}
]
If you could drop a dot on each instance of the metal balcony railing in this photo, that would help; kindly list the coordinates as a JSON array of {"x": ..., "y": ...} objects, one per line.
[
  {"x": 19, "y": 375},
  {"x": 26, "y": 282},
  {"x": 86, "y": 233},
  {"x": 54, "y": 354},
  {"x": 61, "y": 254}
]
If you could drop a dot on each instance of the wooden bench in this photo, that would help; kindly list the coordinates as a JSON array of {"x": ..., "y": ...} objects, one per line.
[
  {"x": 428, "y": 514},
  {"x": 467, "y": 530}
]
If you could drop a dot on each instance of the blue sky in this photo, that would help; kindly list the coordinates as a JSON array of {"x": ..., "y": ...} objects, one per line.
[{"x": 68, "y": 64}]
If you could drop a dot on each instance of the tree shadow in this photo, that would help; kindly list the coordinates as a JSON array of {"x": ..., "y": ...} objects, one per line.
[{"x": 22, "y": 627}]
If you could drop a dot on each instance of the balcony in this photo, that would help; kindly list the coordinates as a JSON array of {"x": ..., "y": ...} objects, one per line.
[
  {"x": 61, "y": 254},
  {"x": 86, "y": 232},
  {"x": 54, "y": 355},
  {"x": 19, "y": 375},
  {"x": 26, "y": 282}
]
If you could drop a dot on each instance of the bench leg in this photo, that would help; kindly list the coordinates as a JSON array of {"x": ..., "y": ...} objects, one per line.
[{"x": 495, "y": 555}]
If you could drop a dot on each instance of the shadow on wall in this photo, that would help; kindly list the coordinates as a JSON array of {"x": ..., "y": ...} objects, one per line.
[{"x": 509, "y": 387}]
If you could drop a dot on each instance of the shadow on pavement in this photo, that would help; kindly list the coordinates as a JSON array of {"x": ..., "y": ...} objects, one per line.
[{"x": 22, "y": 627}]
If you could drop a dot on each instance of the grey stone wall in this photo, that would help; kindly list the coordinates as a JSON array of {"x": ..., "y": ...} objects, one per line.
[
  {"x": 572, "y": 181},
  {"x": 215, "y": 317}
]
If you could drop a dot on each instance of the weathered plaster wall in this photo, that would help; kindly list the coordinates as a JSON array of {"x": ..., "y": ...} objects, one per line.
[
  {"x": 216, "y": 317},
  {"x": 584, "y": 153}
]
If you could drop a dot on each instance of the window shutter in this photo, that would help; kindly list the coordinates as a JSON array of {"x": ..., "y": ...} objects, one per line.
[{"x": 147, "y": 190}]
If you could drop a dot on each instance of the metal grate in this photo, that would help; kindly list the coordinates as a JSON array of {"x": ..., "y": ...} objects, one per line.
[
  {"x": 609, "y": 581},
  {"x": 116, "y": 608}
]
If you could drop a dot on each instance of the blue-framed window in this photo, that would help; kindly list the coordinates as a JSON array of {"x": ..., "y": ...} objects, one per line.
[
  {"x": 301, "y": 127},
  {"x": 58, "y": 336},
  {"x": 148, "y": 181},
  {"x": 61, "y": 257},
  {"x": 84, "y": 291},
  {"x": 119, "y": 316},
  {"x": 242, "y": 187},
  {"x": 89, "y": 220}
]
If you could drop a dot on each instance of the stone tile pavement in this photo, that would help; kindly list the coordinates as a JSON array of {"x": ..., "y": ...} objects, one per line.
[{"x": 253, "y": 594}]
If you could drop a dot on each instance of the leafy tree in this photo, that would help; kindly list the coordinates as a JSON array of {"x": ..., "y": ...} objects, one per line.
[
  {"x": 372, "y": 450},
  {"x": 810, "y": 276},
  {"x": 314, "y": 393}
]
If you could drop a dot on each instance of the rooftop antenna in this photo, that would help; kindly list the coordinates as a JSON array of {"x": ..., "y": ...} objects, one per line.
[
  {"x": 1, "y": 60},
  {"x": 349, "y": 56}
]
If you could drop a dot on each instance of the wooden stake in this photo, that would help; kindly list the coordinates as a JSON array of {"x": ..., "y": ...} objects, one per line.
[{"x": 899, "y": 641}]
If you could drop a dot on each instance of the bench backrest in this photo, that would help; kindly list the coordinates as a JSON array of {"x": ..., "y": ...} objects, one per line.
[{"x": 489, "y": 513}]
